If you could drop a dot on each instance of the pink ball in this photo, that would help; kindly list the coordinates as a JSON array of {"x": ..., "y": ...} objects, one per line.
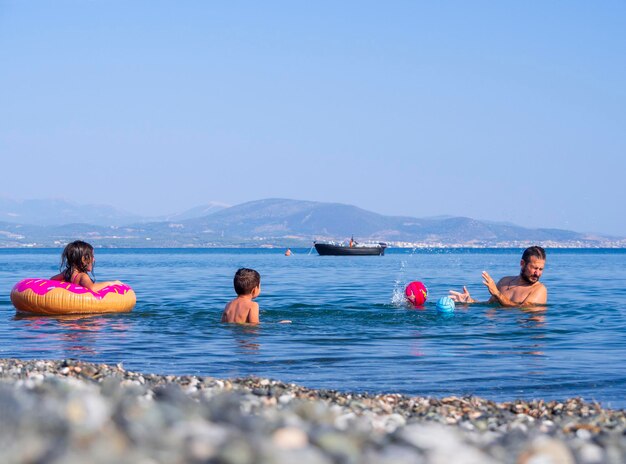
[{"x": 416, "y": 293}]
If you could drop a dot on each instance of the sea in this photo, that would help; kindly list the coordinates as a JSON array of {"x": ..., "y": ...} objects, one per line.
[{"x": 351, "y": 328}]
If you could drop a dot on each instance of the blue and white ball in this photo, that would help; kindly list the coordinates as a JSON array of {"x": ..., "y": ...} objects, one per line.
[{"x": 445, "y": 304}]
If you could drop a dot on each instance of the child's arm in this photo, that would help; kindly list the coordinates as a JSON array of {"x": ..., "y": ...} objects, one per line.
[
  {"x": 85, "y": 281},
  {"x": 100, "y": 285},
  {"x": 57, "y": 277},
  {"x": 225, "y": 313},
  {"x": 253, "y": 315}
]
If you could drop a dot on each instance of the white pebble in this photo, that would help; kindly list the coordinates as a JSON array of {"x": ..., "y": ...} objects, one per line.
[
  {"x": 591, "y": 454},
  {"x": 290, "y": 438},
  {"x": 285, "y": 399}
]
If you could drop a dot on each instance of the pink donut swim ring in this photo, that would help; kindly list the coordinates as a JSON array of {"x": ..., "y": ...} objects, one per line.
[{"x": 52, "y": 297}]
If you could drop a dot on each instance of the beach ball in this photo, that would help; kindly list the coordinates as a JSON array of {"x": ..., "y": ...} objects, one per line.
[
  {"x": 445, "y": 304},
  {"x": 416, "y": 293}
]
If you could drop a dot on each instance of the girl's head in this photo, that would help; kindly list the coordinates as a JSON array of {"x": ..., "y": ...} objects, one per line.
[{"x": 77, "y": 256}]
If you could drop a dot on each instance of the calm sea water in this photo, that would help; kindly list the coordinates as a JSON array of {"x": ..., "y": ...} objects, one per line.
[{"x": 350, "y": 329}]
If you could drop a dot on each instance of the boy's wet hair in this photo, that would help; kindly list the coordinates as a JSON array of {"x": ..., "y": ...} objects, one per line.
[
  {"x": 245, "y": 280},
  {"x": 73, "y": 258},
  {"x": 535, "y": 251}
]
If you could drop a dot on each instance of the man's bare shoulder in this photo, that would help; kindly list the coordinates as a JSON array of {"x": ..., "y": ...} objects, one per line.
[
  {"x": 540, "y": 288},
  {"x": 538, "y": 295},
  {"x": 507, "y": 280}
]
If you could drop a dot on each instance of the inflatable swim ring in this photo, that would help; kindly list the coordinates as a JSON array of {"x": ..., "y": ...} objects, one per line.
[{"x": 52, "y": 297}]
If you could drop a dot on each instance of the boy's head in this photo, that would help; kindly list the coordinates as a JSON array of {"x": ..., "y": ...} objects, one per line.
[{"x": 246, "y": 280}]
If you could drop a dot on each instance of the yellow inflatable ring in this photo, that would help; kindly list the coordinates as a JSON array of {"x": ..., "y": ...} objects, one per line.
[{"x": 52, "y": 297}]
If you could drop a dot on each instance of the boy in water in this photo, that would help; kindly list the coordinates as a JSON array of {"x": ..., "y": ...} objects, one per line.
[{"x": 242, "y": 310}]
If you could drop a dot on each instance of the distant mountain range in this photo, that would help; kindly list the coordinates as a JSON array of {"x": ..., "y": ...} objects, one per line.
[
  {"x": 57, "y": 212},
  {"x": 270, "y": 222}
]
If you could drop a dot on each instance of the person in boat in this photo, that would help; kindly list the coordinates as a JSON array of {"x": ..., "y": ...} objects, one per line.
[
  {"x": 520, "y": 290},
  {"x": 352, "y": 242},
  {"x": 242, "y": 310}
]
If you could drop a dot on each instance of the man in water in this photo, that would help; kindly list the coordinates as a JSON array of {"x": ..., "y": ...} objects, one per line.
[{"x": 522, "y": 290}]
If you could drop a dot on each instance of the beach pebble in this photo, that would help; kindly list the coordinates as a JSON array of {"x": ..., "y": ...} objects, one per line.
[
  {"x": 443, "y": 444},
  {"x": 590, "y": 453},
  {"x": 393, "y": 454},
  {"x": 285, "y": 399},
  {"x": 545, "y": 450},
  {"x": 393, "y": 422},
  {"x": 307, "y": 455},
  {"x": 341, "y": 447},
  {"x": 236, "y": 451},
  {"x": 290, "y": 438},
  {"x": 88, "y": 412},
  {"x": 72, "y": 412},
  {"x": 202, "y": 439}
]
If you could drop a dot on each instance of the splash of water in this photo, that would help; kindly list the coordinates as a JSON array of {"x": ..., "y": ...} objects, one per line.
[{"x": 397, "y": 296}]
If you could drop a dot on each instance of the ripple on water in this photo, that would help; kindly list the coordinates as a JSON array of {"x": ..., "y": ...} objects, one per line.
[{"x": 351, "y": 329}]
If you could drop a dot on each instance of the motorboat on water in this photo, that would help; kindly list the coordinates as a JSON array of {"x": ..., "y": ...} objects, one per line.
[{"x": 352, "y": 249}]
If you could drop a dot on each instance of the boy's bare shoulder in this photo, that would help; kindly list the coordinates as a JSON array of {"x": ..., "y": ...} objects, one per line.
[
  {"x": 230, "y": 306},
  {"x": 238, "y": 310}
]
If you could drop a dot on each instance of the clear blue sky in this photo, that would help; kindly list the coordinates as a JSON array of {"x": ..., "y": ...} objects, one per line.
[{"x": 508, "y": 111}]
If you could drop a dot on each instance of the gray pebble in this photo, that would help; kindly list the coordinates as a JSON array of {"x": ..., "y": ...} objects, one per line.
[{"x": 73, "y": 412}]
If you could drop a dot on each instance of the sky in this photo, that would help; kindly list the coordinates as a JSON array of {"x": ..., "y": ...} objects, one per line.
[{"x": 504, "y": 111}]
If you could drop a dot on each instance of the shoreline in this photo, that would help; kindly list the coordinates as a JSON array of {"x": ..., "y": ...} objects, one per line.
[
  {"x": 300, "y": 248},
  {"x": 65, "y": 410}
]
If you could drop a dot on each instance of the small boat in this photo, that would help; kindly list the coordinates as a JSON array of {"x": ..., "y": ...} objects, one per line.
[{"x": 357, "y": 249}]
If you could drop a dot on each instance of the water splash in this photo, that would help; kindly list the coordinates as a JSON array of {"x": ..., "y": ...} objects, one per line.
[{"x": 397, "y": 296}]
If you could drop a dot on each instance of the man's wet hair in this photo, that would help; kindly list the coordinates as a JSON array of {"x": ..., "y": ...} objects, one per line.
[
  {"x": 245, "y": 280},
  {"x": 535, "y": 251}
]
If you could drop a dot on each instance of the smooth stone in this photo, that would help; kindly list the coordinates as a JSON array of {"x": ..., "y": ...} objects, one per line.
[
  {"x": 544, "y": 450},
  {"x": 290, "y": 438},
  {"x": 591, "y": 454},
  {"x": 443, "y": 445},
  {"x": 340, "y": 446},
  {"x": 393, "y": 454},
  {"x": 236, "y": 451}
]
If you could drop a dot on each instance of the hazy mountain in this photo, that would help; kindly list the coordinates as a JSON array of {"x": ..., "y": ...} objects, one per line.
[
  {"x": 58, "y": 212},
  {"x": 278, "y": 217},
  {"x": 308, "y": 220},
  {"x": 281, "y": 222},
  {"x": 197, "y": 212}
]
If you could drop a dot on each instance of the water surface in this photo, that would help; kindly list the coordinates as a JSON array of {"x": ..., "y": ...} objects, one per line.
[{"x": 350, "y": 330}]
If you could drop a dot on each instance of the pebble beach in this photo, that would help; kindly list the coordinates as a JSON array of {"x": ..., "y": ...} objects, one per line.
[{"x": 70, "y": 411}]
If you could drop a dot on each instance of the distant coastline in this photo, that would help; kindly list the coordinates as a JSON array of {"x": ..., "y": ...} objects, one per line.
[
  {"x": 275, "y": 223},
  {"x": 299, "y": 249}
]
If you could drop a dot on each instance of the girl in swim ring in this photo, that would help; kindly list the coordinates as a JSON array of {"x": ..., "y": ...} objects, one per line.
[{"x": 77, "y": 261}]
